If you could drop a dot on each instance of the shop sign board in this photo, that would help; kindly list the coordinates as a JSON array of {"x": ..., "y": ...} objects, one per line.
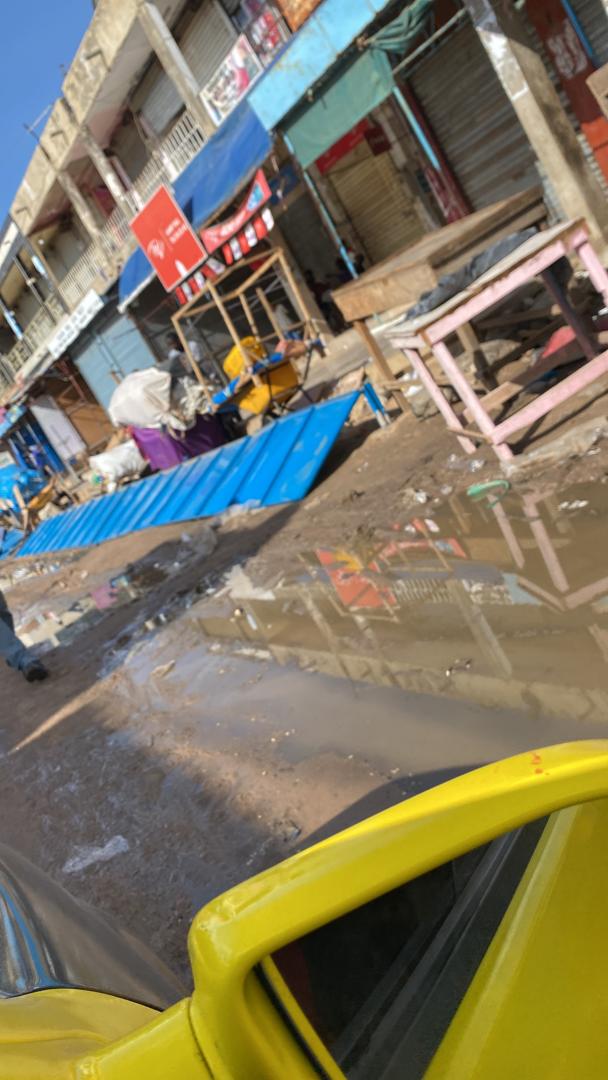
[
  {"x": 259, "y": 193},
  {"x": 573, "y": 66},
  {"x": 165, "y": 235},
  {"x": 232, "y": 80},
  {"x": 342, "y": 147},
  {"x": 297, "y": 11},
  {"x": 69, "y": 329}
]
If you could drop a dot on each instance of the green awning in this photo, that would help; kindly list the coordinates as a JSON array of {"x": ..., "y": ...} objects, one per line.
[
  {"x": 403, "y": 31},
  {"x": 360, "y": 87}
]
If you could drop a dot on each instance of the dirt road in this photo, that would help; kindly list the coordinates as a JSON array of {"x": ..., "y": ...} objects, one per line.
[{"x": 322, "y": 661}]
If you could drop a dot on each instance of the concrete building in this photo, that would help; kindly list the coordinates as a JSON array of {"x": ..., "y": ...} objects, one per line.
[{"x": 481, "y": 103}]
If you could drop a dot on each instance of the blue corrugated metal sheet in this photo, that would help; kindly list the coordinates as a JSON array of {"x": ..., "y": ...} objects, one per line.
[
  {"x": 309, "y": 55},
  {"x": 277, "y": 465}
]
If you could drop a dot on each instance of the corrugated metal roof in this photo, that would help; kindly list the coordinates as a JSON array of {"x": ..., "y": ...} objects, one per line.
[{"x": 278, "y": 465}]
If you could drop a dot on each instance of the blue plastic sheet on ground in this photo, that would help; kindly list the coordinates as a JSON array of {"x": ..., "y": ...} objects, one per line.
[{"x": 277, "y": 465}]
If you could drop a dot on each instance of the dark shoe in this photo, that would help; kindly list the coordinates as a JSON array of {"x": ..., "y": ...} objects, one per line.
[{"x": 35, "y": 671}]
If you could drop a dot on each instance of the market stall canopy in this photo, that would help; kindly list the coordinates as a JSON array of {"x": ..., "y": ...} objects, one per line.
[
  {"x": 225, "y": 163},
  {"x": 402, "y": 32},
  {"x": 358, "y": 88}
]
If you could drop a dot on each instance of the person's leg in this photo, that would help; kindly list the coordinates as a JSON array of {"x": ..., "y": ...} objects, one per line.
[
  {"x": 11, "y": 648},
  {"x": 14, "y": 651}
]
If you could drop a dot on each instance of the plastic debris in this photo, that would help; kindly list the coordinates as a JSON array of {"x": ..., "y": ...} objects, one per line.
[
  {"x": 476, "y": 464},
  {"x": 575, "y": 504},
  {"x": 163, "y": 669},
  {"x": 87, "y": 856}
]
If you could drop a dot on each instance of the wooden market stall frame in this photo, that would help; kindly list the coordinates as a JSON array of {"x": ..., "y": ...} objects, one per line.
[{"x": 198, "y": 305}]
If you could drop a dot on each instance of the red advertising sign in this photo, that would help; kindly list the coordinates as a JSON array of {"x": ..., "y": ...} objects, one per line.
[
  {"x": 342, "y": 147},
  {"x": 573, "y": 67},
  {"x": 258, "y": 194},
  {"x": 166, "y": 236}
]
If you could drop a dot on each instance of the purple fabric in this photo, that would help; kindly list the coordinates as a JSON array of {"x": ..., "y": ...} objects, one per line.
[
  {"x": 159, "y": 450},
  {"x": 206, "y": 435},
  {"x": 163, "y": 451}
]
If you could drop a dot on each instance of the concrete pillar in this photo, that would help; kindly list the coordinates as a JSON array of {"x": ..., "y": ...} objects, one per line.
[
  {"x": 104, "y": 168},
  {"x": 172, "y": 60},
  {"x": 532, "y": 95},
  {"x": 79, "y": 205}
]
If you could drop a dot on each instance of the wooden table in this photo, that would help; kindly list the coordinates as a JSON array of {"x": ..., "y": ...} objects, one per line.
[
  {"x": 399, "y": 280},
  {"x": 531, "y": 259}
]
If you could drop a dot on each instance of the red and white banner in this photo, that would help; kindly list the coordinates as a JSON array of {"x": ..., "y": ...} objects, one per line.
[
  {"x": 241, "y": 244},
  {"x": 195, "y": 284},
  {"x": 259, "y": 193},
  {"x": 167, "y": 238}
]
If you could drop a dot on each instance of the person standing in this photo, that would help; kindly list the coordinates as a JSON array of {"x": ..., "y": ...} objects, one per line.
[{"x": 14, "y": 651}]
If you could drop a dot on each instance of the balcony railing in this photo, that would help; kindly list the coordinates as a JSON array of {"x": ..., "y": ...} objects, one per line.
[{"x": 102, "y": 261}]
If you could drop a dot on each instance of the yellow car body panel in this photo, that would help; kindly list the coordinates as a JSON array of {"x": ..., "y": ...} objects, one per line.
[
  {"x": 43, "y": 1034},
  {"x": 231, "y": 1029},
  {"x": 243, "y": 927},
  {"x": 538, "y": 1006}
]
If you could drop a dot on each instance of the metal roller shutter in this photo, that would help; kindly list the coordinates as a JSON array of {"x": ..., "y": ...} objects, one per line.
[
  {"x": 206, "y": 40},
  {"x": 157, "y": 99},
  {"x": 568, "y": 109},
  {"x": 474, "y": 120},
  {"x": 594, "y": 21},
  {"x": 371, "y": 192},
  {"x": 112, "y": 352}
]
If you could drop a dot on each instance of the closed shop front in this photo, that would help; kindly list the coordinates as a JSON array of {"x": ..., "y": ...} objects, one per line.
[
  {"x": 374, "y": 198},
  {"x": 109, "y": 351},
  {"x": 473, "y": 120},
  {"x": 593, "y": 21},
  {"x": 204, "y": 42}
]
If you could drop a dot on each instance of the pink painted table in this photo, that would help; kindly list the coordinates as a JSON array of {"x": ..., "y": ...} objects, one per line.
[{"x": 534, "y": 258}]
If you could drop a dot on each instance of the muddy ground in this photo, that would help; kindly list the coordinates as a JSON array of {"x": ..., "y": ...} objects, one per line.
[{"x": 212, "y": 761}]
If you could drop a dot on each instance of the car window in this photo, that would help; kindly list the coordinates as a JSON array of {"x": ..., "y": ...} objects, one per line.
[{"x": 381, "y": 984}]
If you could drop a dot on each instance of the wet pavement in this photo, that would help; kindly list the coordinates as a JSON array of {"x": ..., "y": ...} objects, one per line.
[
  {"x": 204, "y": 726},
  {"x": 442, "y": 642}
]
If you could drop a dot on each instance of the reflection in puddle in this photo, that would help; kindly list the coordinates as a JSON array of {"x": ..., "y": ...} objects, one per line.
[{"x": 502, "y": 602}]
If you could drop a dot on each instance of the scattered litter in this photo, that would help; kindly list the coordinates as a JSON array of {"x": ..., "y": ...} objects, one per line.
[
  {"x": 476, "y": 464},
  {"x": 87, "y": 856},
  {"x": 163, "y": 669},
  {"x": 496, "y": 487},
  {"x": 459, "y": 665},
  {"x": 456, "y": 462},
  {"x": 416, "y": 495},
  {"x": 575, "y": 504},
  {"x": 445, "y": 490},
  {"x": 292, "y": 832}
]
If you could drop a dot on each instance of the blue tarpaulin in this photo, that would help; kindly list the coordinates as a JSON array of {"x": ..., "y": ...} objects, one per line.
[
  {"x": 219, "y": 170},
  {"x": 278, "y": 465}
]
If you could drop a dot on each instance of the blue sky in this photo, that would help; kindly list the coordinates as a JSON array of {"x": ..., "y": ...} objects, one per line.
[{"x": 37, "y": 37}]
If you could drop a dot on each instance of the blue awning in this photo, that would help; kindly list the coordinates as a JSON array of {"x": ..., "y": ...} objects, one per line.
[{"x": 222, "y": 167}]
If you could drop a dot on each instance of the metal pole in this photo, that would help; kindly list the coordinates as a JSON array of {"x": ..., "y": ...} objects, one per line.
[
  {"x": 415, "y": 126},
  {"x": 325, "y": 214}
]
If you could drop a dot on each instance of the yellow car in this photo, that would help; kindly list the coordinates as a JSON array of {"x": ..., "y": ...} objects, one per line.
[{"x": 460, "y": 934}]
